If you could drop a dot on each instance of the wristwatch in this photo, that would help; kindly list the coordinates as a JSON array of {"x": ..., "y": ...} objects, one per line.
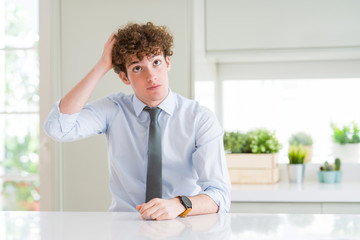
[{"x": 185, "y": 201}]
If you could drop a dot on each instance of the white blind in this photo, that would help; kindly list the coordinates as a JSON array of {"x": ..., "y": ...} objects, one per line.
[{"x": 290, "y": 70}]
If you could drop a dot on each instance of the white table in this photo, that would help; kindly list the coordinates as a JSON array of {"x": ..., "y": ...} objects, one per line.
[{"x": 104, "y": 225}]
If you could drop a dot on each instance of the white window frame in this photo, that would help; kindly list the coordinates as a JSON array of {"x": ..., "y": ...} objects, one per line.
[{"x": 50, "y": 88}]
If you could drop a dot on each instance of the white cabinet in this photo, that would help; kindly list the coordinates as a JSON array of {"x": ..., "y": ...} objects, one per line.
[
  {"x": 309, "y": 197},
  {"x": 341, "y": 208},
  {"x": 295, "y": 207},
  {"x": 281, "y": 24},
  {"x": 275, "y": 207}
]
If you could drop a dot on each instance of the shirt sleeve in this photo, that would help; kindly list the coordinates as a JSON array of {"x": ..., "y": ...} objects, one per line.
[
  {"x": 91, "y": 120},
  {"x": 209, "y": 161}
]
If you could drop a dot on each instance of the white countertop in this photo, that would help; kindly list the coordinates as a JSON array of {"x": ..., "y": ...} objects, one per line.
[
  {"x": 306, "y": 192},
  {"x": 104, "y": 225},
  {"x": 310, "y": 191}
]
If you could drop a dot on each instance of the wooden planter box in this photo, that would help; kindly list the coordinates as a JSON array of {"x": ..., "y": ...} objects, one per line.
[
  {"x": 253, "y": 168},
  {"x": 251, "y": 160}
]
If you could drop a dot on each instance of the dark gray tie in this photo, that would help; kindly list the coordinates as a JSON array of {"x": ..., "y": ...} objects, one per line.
[{"x": 154, "y": 168}]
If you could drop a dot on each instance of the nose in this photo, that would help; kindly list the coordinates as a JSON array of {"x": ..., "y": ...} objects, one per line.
[{"x": 151, "y": 76}]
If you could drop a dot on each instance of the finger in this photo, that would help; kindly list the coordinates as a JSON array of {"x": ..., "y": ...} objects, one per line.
[
  {"x": 147, "y": 214},
  {"x": 148, "y": 205},
  {"x": 148, "y": 209},
  {"x": 157, "y": 213},
  {"x": 111, "y": 38}
]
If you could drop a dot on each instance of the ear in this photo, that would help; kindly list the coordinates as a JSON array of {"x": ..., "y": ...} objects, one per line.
[
  {"x": 123, "y": 77},
  {"x": 168, "y": 63}
]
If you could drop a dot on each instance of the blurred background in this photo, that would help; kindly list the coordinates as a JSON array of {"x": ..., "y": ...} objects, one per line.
[{"x": 287, "y": 66}]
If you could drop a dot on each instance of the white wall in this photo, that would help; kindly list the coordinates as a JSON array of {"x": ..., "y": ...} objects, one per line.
[{"x": 84, "y": 28}]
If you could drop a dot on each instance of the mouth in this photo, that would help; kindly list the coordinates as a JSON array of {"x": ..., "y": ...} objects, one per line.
[{"x": 154, "y": 87}]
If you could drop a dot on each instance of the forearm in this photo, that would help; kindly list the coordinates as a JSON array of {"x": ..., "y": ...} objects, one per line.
[
  {"x": 75, "y": 100},
  {"x": 161, "y": 209},
  {"x": 203, "y": 204}
]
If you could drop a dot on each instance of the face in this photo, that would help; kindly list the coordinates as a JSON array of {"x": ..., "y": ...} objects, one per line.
[{"x": 148, "y": 78}]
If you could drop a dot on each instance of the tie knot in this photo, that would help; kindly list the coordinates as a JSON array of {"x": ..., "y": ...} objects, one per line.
[{"x": 154, "y": 112}]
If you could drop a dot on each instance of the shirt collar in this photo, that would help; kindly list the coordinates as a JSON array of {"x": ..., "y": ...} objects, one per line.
[{"x": 168, "y": 105}]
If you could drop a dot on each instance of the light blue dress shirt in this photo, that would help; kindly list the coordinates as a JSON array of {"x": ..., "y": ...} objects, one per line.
[{"x": 193, "y": 158}]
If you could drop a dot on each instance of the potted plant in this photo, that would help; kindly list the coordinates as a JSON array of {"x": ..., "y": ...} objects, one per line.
[
  {"x": 304, "y": 139},
  {"x": 330, "y": 173},
  {"x": 253, "y": 149},
  {"x": 263, "y": 141},
  {"x": 296, "y": 166},
  {"x": 236, "y": 142},
  {"x": 252, "y": 156},
  {"x": 346, "y": 142}
]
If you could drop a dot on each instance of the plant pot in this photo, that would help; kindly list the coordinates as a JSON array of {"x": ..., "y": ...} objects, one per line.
[
  {"x": 296, "y": 173},
  {"x": 338, "y": 177},
  {"x": 252, "y": 160},
  {"x": 330, "y": 176},
  {"x": 349, "y": 153},
  {"x": 251, "y": 168}
]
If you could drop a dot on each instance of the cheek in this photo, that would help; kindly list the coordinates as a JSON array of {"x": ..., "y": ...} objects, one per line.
[
  {"x": 164, "y": 71},
  {"x": 134, "y": 79}
]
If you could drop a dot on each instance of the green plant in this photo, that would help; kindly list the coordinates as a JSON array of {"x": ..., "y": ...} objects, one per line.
[
  {"x": 347, "y": 134},
  {"x": 297, "y": 154},
  {"x": 337, "y": 164},
  {"x": 331, "y": 167},
  {"x": 300, "y": 138},
  {"x": 236, "y": 142},
  {"x": 263, "y": 141},
  {"x": 256, "y": 141}
]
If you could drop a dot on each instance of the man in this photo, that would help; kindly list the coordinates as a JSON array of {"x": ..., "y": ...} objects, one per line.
[{"x": 188, "y": 139}]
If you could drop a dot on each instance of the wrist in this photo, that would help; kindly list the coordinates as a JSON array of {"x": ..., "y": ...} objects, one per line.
[
  {"x": 180, "y": 206},
  {"x": 102, "y": 67},
  {"x": 187, "y": 204}
]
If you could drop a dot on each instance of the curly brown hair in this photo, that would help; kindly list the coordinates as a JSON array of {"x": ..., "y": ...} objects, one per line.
[{"x": 142, "y": 40}]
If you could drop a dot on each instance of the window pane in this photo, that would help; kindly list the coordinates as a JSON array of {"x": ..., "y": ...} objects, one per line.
[
  {"x": 204, "y": 92},
  {"x": 21, "y": 23},
  {"x": 20, "y": 195},
  {"x": 19, "y": 104},
  {"x": 21, "y": 91},
  {"x": 289, "y": 106},
  {"x": 19, "y": 136}
]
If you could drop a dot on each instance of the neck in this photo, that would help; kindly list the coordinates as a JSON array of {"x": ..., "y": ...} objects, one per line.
[{"x": 156, "y": 103}]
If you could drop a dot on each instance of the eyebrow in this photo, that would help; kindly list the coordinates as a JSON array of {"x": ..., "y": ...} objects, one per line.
[
  {"x": 137, "y": 61},
  {"x": 132, "y": 63}
]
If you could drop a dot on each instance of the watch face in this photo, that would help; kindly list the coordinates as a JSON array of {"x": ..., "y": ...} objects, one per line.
[{"x": 186, "y": 201}]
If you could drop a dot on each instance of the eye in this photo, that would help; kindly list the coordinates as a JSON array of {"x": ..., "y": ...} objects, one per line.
[
  {"x": 157, "y": 62},
  {"x": 136, "y": 69}
]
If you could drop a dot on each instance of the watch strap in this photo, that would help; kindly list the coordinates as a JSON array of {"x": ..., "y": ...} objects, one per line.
[
  {"x": 188, "y": 207},
  {"x": 185, "y": 212}
]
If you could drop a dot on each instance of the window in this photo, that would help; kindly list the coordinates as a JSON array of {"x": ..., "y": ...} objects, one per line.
[
  {"x": 19, "y": 105},
  {"x": 285, "y": 97},
  {"x": 292, "y": 105}
]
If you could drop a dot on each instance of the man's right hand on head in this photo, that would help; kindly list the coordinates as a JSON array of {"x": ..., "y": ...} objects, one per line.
[{"x": 106, "y": 57}]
